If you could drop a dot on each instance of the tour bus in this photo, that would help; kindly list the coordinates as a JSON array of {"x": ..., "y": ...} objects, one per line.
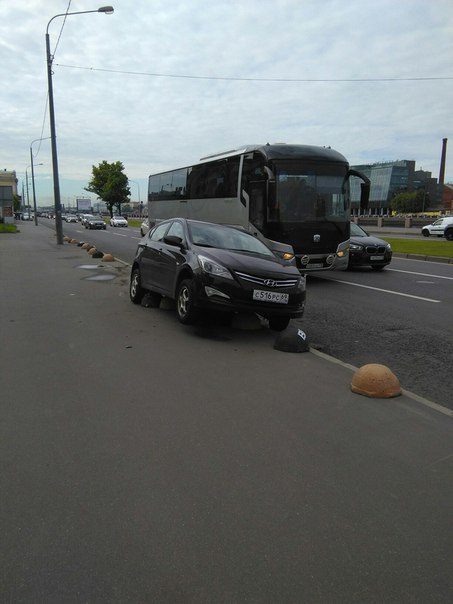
[{"x": 293, "y": 194}]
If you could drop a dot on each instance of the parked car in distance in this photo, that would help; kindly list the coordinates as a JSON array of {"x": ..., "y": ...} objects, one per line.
[
  {"x": 71, "y": 218},
  {"x": 144, "y": 227},
  {"x": 209, "y": 266},
  {"x": 83, "y": 217},
  {"x": 366, "y": 250},
  {"x": 441, "y": 227},
  {"x": 118, "y": 221},
  {"x": 93, "y": 222}
]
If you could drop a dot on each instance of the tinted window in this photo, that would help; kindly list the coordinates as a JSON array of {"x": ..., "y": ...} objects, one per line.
[
  {"x": 157, "y": 234},
  {"x": 177, "y": 230},
  {"x": 213, "y": 179}
]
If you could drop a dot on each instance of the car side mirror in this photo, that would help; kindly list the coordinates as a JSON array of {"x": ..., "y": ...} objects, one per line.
[{"x": 173, "y": 240}]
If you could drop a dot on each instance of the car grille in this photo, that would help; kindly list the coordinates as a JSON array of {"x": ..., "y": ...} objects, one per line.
[
  {"x": 375, "y": 249},
  {"x": 268, "y": 282}
]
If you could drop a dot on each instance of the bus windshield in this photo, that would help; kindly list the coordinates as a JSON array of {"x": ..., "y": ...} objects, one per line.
[{"x": 309, "y": 195}]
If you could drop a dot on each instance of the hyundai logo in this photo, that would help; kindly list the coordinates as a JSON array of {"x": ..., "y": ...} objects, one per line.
[
  {"x": 270, "y": 283},
  {"x": 316, "y": 238}
]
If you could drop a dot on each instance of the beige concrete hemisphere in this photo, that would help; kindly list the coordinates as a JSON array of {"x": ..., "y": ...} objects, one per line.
[
  {"x": 92, "y": 250},
  {"x": 375, "y": 381},
  {"x": 107, "y": 258},
  {"x": 67, "y": 239},
  {"x": 86, "y": 246},
  {"x": 74, "y": 241}
]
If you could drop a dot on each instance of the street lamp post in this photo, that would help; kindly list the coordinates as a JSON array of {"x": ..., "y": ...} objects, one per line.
[{"x": 53, "y": 136}]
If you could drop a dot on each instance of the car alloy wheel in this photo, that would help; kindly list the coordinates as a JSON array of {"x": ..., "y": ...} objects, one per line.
[
  {"x": 136, "y": 291},
  {"x": 185, "y": 303}
]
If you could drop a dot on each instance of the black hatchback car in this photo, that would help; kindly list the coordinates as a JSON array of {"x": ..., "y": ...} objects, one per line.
[
  {"x": 365, "y": 250},
  {"x": 209, "y": 266}
]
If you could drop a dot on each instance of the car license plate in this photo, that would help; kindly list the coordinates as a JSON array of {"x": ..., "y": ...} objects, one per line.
[
  {"x": 264, "y": 296},
  {"x": 376, "y": 257},
  {"x": 315, "y": 265}
]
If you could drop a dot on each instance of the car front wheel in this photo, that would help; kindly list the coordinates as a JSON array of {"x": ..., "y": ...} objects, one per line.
[
  {"x": 425, "y": 233},
  {"x": 185, "y": 303},
  {"x": 136, "y": 291},
  {"x": 449, "y": 235}
]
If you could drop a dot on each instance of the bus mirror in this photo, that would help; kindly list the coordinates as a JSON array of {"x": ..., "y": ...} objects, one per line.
[
  {"x": 364, "y": 195},
  {"x": 270, "y": 174}
]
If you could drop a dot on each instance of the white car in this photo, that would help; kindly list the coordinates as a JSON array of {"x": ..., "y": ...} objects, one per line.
[
  {"x": 71, "y": 218},
  {"x": 118, "y": 221},
  {"x": 144, "y": 227},
  {"x": 437, "y": 227}
]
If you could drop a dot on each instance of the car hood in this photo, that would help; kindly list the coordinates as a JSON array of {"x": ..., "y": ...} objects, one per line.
[
  {"x": 368, "y": 241},
  {"x": 248, "y": 262}
]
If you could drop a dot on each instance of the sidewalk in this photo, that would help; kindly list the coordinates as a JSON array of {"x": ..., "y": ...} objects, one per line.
[{"x": 147, "y": 461}]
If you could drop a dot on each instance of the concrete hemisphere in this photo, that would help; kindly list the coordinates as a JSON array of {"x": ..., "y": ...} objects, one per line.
[
  {"x": 376, "y": 381},
  {"x": 92, "y": 250},
  {"x": 74, "y": 241},
  {"x": 108, "y": 258}
]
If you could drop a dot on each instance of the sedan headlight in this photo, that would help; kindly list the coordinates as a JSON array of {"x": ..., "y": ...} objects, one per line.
[
  {"x": 389, "y": 247},
  {"x": 214, "y": 268},
  {"x": 356, "y": 248}
]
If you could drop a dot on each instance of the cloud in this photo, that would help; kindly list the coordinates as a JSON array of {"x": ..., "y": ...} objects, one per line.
[{"x": 155, "y": 122}]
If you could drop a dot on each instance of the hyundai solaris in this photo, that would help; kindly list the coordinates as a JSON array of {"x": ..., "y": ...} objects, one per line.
[{"x": 202, "y": 265}]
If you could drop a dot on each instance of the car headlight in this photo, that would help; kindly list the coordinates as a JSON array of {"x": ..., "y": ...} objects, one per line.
[
  {"x": 355, "y": 247},
  {"x": 214, "y": 268},
  {"x": 389, "y": 247}
]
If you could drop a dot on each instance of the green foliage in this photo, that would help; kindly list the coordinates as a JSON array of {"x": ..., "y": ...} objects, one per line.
[
  {"x": 8, "y": 228},
  {"x": 410, "y": 203},
  {"x": 110, "y": 184},
  {"x": 16, "y": 203}
]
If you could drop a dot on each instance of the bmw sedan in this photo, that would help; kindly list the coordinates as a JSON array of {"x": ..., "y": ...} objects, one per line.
[
  {"x": 91, "y": 222},
  {"x": 209, "y": 266},
  {"x": 365, "y": 250}
]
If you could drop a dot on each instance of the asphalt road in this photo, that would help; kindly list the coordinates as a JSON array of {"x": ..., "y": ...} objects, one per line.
[
  {"x": 401, "y": 317},
  {"x": 146, "y": 461}
]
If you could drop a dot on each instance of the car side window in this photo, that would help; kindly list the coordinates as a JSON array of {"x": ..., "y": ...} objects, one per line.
[
  {"x": 177, "y": 230},
  {"x": 158, "y": 233}
]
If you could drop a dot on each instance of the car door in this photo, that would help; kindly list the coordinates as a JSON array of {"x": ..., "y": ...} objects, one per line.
[
  {"x": 438, "y": 227},
  {"x": 171, "y": 256},
  {"x": 151, "y": 258}
]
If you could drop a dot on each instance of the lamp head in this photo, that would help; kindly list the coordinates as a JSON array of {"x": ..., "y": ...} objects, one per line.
[{"x": 108, "y": 10}]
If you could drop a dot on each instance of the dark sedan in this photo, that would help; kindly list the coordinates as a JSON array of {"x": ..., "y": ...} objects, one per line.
[
  {"x": 365, "y": 250},
  {"x": 92, "y": 222},
  {"x": 208, "y": 266}
]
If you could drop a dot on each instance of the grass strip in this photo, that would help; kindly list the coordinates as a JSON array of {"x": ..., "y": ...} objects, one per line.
[{"x": 430, "y": 247}]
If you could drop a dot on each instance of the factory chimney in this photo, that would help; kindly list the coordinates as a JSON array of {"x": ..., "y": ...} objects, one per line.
[{"x": 442, "y": 171}]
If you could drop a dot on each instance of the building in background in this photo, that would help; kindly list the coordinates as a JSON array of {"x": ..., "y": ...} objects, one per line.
[
  {"x": 8, "y": 189},
  {"x": 390, "y": 178}
]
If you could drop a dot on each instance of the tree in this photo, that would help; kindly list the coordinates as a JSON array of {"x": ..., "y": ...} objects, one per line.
[
  {"x": 408, "y": 203},
  {"x": 110, "y": 184}
]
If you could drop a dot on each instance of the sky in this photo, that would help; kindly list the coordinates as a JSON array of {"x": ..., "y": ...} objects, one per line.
[{"x": 161, "y": 83}]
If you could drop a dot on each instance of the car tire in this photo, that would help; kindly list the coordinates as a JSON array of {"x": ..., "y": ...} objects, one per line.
[
  {"x": 449, "y": 235},
  {"x": 277, "y": 323},
  {"x": 425, "y": 233},
  {"x": 185, "y": 303},
  {"x": 136, "y": 291}
]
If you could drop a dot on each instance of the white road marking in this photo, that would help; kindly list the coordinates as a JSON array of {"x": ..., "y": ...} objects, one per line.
[
  {"x": 388, "y": 291},
  {"x": 395, "y": 270}
]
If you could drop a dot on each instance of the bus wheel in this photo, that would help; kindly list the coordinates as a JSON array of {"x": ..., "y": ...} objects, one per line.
[
  {"x": 185, "y": 303},
  {"x": 278, "y": 323}
]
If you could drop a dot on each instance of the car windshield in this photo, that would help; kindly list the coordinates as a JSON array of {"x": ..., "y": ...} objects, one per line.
[
  {"x": 356, "y": 231},
  {"x": 209, "y": 235}
]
